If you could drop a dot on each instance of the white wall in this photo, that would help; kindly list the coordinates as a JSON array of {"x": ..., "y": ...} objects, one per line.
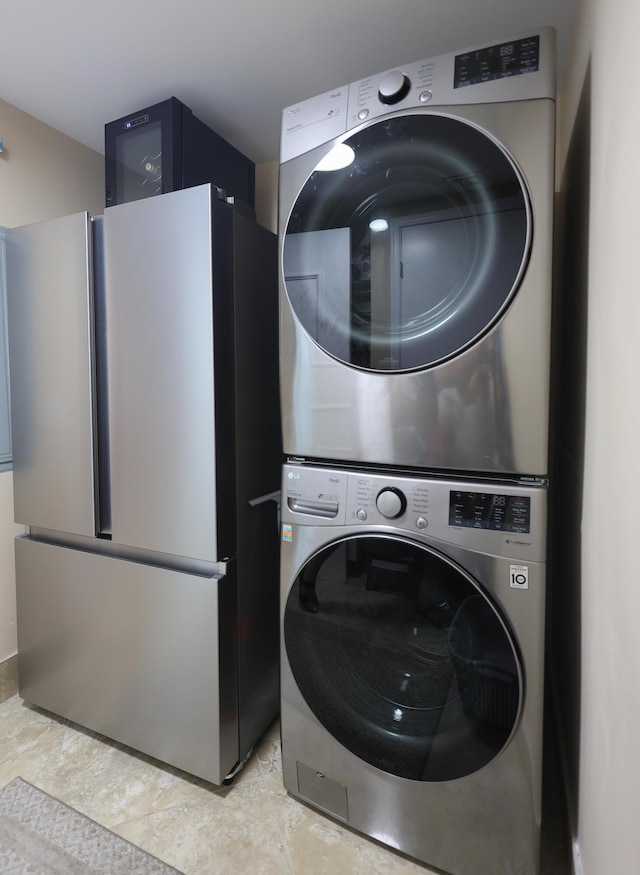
[
  {"x": 43, "y": 174},
  {"x": 609, "y": 771}
]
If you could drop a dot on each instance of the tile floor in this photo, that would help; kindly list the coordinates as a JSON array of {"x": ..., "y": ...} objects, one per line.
[{"x": 253, "y": 826}]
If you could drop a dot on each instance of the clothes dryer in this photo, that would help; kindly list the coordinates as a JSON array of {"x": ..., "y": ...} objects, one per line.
[
  {"x": 415, "y": 222},
  {"x": 412, "y": 661}
]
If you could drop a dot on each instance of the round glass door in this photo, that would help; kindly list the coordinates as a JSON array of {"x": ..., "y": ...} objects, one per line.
[
  {"x": 410, "y": 252},
  {"x": 403, "y": 658}
]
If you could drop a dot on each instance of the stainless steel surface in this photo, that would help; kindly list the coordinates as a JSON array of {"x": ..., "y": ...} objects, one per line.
[
  {"x": 329, "y": 795},
  {"x": 158, "y": 265},
  {"x": 437, "y": 417},
  {"x": 159, "y": 628},
  {"x": 51, "y": 362},
  {"x": 133, "y": 651},
  {"x": 483, "y": 823}
]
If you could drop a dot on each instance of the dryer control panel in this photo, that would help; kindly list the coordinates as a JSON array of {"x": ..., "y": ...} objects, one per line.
[
  {"x": 521, "y": 68},
  {"x": 504, "y": 519}
]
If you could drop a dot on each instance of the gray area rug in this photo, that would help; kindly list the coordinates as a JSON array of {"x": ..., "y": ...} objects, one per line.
[{"x": 39, "y": 835}]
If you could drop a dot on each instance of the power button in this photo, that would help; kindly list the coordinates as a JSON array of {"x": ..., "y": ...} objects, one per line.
[{"x": 421, "y": 523}]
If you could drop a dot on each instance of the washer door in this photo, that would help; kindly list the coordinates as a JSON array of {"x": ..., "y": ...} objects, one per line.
[
  {"x": 403, "y": 658},
  {"x": 412, "y": 251}
]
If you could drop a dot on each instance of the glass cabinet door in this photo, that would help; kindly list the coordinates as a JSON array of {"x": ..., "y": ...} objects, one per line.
[{"x": 139, "y": 161}]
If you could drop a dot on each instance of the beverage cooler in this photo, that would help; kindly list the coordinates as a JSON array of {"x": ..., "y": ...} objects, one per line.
[{"x": 165, "y": 147}]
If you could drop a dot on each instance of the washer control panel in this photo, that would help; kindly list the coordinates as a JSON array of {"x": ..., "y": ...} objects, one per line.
[
  {"x": 506, "y": 519},
  {"x": 400, "y": 502}
]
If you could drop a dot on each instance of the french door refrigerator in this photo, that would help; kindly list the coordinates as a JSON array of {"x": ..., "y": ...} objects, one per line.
[{"x": 143, "y": 358}]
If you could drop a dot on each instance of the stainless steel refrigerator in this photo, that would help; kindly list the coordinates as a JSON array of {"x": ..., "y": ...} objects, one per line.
[{"x": 145, "y": 420}]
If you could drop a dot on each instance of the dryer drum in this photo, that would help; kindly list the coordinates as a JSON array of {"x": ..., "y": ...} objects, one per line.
[{"x": 455, "y": 220}]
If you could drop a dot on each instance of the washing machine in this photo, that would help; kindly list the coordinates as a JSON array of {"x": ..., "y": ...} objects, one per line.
[
  {"x": 412, "y": 661},
  {"x": 415, "y": 224}
]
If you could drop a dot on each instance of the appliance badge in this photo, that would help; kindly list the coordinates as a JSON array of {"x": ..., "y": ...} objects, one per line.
[
  {"x": 519, "y": 576},
  {"x": 287, "y": 532}
]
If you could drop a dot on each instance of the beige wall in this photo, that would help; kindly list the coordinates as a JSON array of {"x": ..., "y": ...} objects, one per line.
[
  {"x": 42, "y": 174},
  {"x": 609, "y": 605},
  {"x": 267, "y": 195}
]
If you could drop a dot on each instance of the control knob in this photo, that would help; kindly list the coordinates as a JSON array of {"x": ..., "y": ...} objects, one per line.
[
  {"x": 391, "y": 502},
  {"x": 393, "y": 87}
]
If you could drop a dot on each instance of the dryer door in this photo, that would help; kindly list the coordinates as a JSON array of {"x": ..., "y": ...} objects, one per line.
[
  {"x": 403, "y": 658},
  {"x": 438, "y": 228}
]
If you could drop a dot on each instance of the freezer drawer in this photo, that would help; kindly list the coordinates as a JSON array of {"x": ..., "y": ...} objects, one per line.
[{"x": 144, "y": 655}]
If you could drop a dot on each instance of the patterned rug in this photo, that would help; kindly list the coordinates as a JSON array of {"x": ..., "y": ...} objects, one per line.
[{"x": 39, "y": 835}]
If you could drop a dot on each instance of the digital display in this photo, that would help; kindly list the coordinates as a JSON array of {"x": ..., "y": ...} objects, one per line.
[
  {"x": 133, "y": 123},
  {"x": 497, "y": 62},
  {"x": 486, "y": 510}
]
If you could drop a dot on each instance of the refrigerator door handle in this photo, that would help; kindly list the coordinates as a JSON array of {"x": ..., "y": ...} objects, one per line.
[{"x": 103, "y": 486}]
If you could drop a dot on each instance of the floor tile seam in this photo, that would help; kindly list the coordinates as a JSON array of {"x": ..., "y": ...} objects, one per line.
[
  {"x": 184, "y": 804},
  {"x": 45, "y": 727},
  {"x": 115, "y": 825},
  {"x": 117, "y": 828},
  {"x": 275, "y": 808},
  {"x": 264, "y": 772},
  {"x": 229, "y": 788},
  {"x": 19, "y": 750},
  {"x": 114, "y": 821}
]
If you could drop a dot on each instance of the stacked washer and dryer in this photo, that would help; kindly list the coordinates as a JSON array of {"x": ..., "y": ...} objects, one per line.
[{"x": 416, "y": 242}]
